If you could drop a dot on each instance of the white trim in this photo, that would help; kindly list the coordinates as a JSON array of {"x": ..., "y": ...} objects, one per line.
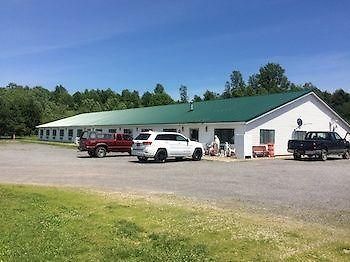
[{"x": 310, "y": 93}]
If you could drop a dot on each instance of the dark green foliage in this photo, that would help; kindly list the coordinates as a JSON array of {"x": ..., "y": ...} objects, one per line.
[
  {"x": 209, "y": 95},
  {"x": 197, "y": 98},
  {"x": 23, "y": 108},
  {"x": 183, "y": 94},
  {"x": 272, "y": 78},
  {"x": 339, "y": 100}
]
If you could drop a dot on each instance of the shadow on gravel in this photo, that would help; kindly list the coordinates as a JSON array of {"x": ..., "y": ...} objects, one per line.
[
  {"x": 155, "y": 162},
  {"x": 107, "y": 156},
  {"x": 314, "y": 159}
]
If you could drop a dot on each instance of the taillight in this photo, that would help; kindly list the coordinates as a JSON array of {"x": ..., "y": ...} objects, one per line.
[{"x": 147, "y": 143}]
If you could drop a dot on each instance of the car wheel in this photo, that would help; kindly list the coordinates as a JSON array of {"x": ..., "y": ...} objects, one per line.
[
  {"x": 323, "y": 155},
  {"x": 100, "y": 152},
  {"x": 161, "y": 155},
  {"x": 296, "y": 156},
  {"x": 142, "y": 159},
  {"x": 91, "y": 153},
  {"x": 346, "y": 155},
  {"x": 197, "y": 154}
]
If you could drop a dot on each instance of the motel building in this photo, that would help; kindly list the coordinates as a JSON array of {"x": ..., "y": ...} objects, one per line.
[{"x": 243, "y": 122}]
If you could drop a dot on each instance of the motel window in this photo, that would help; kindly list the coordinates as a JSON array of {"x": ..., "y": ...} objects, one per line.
[
  {"x": 113, "y": 130},
  {"x": 41, "y": 132},
  {"x": 127, "y": 131},
  {"x": 54, "y": 133},
  {"x": 47, "y": 132},
  {"x": 79, "y": 131},
  {"x": 146, "y": 129},
  {"x": 70, "y": 133},
  {"x": 225, "y": 135},
  {"x": 299, "y": 135},
  {"x": 61, "y": 133},
  {"x": 267, "y": 136},
  {"x": 169, "y": 129}
]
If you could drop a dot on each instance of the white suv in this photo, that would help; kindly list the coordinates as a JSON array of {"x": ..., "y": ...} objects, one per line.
[{"x": 161, "y": 145}]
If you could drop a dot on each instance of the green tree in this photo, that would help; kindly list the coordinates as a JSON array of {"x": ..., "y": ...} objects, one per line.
[
  {"x": 89, "y": 105},
  {"x": 146, "y": 99},
  {"x": 130, "y": 99},
  {"x": 61, "y": 96},
  {"x": 197, "y": 98},
  {"x": 272, "y": 78},
  {"x": 183, "y": 94},
  {"x": 210, "y": 95},
  {"x": 159, "y": 89},
  {"x": 227, "y": 90},
  {"x": 237, "y": 84}
]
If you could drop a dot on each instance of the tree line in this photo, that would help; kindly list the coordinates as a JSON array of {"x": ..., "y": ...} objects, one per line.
[{"x": 23, "y": 107}]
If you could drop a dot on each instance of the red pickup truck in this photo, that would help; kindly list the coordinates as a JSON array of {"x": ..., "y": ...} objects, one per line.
[{"x": 98, "y": 144}]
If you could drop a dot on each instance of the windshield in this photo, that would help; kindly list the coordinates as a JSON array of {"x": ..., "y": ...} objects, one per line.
[{"x": 142, "y": 137}]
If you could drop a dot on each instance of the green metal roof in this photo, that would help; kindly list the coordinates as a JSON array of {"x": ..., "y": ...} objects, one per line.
[{"x": 241, "y": 109}]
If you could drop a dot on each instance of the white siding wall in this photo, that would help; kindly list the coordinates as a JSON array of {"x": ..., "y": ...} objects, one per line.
[{"x": 315, "y": 116}]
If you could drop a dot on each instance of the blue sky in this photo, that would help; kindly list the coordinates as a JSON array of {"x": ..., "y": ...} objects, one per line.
[{"x": 136, "y": 44}]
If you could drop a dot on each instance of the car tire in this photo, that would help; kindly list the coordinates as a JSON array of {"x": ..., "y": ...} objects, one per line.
[
  {"x": 142, "y": 159},
  {"x": 160, "y": 156},
  {"x": 346, "y": 155},
  {"x": 100, "y": 152},
  {"x": 197, "y": 154},
  {"x": 296, "y": 156},
  {"x": 323, "y": 155},
  {"x": 91, "y": 153}
]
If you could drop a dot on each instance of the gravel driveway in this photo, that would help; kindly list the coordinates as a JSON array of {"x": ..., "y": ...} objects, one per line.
[{"x": 274, "y": 183}]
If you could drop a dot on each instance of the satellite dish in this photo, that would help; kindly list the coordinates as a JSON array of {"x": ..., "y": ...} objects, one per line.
[{"x": 299, "y": 122}]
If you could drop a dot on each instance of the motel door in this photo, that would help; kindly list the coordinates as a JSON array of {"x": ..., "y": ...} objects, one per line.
[{"x": 194, "y": 134}]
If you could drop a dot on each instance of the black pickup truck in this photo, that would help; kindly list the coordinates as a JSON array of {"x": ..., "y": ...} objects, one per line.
[{"x": 320, "y": 144}]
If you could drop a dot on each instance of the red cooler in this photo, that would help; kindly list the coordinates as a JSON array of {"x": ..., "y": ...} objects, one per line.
[{"x": 271, "y": 150}]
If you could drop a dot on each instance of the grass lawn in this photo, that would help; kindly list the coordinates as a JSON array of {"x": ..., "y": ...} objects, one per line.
[
  {"x": 43, "y": 223},
  {"x": 35, "y": 140}
]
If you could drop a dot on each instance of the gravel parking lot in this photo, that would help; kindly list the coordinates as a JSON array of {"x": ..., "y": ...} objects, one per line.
[{"x": 282, "y": 183}]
